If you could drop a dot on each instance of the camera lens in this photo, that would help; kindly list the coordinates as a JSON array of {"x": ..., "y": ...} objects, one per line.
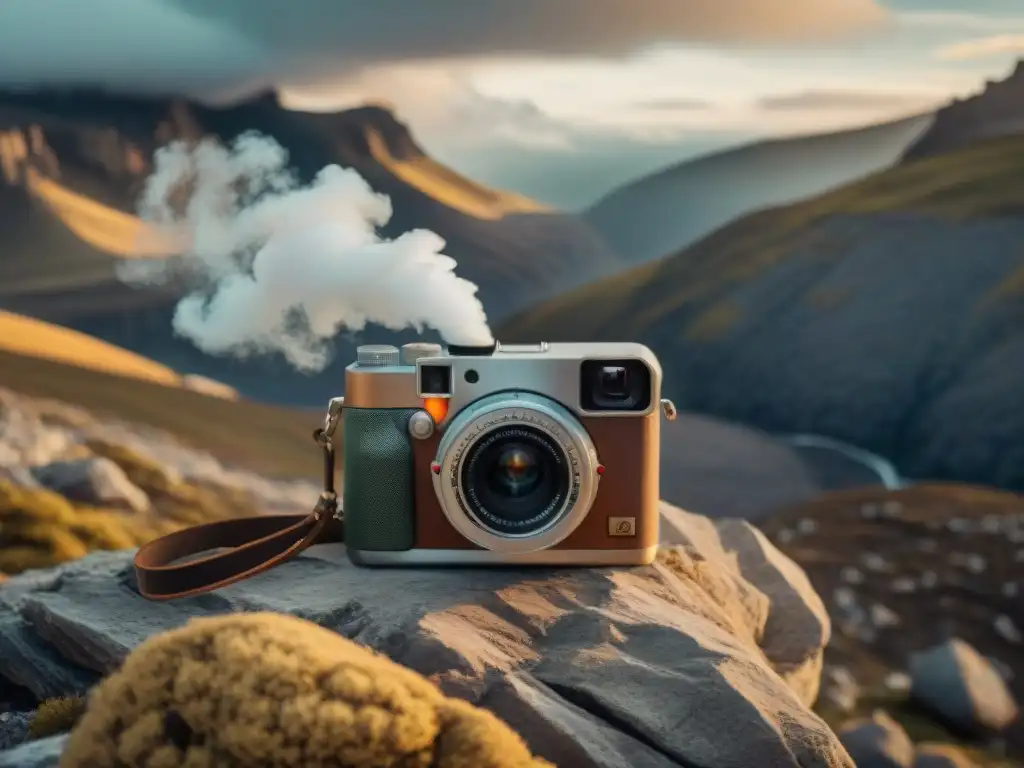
[{"x": 516, "y": 480}]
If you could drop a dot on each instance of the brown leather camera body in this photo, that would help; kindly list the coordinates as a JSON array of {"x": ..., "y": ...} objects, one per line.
[{"x": 627, "y": 495}]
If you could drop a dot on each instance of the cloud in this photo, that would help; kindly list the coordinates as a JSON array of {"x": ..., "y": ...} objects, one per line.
[
  {"x": 673, "y": 105},
  {"x": 441, "y": 102},
  {"x": 982, "y": 47},
  {"x": 841, "y": 100},
  {"x": 956, "y": 20},
  {"x": 126, "y": 44},
  {"x": 160, "y": 43}
]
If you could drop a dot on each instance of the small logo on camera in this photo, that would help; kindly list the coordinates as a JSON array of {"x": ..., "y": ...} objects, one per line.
[{"x": 622, "y": 526}]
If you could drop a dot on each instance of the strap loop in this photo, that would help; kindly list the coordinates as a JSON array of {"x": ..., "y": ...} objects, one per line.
[{"x": 249, "y": 545}]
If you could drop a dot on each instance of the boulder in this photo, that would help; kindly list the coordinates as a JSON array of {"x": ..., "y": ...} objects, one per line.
[
  {"x": 962, "y": 687},
  {"x": 96, "y": 480},
  {"x": 878, "y": 742},
  {"x": 700, "y": 659}
]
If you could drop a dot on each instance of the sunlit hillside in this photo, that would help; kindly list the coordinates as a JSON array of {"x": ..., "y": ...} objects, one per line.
[
  {"x": 25, "y": 336},
  {"x": 102, "y": 227},
  {"x": 448, "y": 187}
]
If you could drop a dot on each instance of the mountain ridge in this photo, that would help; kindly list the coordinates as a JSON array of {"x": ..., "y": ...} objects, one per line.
[
  {"x": 659, "y": 213},
  {"x": 98, "y": 148}
]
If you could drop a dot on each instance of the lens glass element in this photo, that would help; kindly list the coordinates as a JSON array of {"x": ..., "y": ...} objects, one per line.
[
  {"x": 515, "y": 480},
  {"x": 615, "y": 381}
]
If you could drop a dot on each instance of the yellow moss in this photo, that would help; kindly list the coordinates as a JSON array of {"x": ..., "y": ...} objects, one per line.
[
  {"x": 14, "y": 560},
  {"x": 55, "y": 716},
  {"x": 58, "y": 541},
  {"x": 276, "y": 691},
  {"x": 39, "y": 529},
  {"x": 36, "y": 504},
  {"x": 102, "y": 530}
]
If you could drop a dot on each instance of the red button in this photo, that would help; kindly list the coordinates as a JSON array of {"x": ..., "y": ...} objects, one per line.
[
  {"x": 600, "y": 469},
  {"x": 435, "y": 468}
]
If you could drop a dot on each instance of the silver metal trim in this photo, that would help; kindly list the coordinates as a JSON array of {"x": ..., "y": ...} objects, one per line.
[
  {"x": 381, "y": 387},
  {"x": 501, "y": 410},
  {"x": 373, "y": 355},
  {"x": 471, "y": 557},
  {"x": 668, "y": 409},
  {"x": 421, "y": 425},
  {"x": 538, "y": 348},
  {"x": 417, "y": 350},
  {"x": 552, "y": 370}
]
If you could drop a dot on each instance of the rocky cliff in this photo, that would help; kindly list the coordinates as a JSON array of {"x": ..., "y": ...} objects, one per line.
[{"x": 997, "y": 110}]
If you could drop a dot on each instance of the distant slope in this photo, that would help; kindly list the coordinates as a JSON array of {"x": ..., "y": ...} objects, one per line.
[
  {"x": 996, "y": 110},
  {"x": 888, "y": 314},
  {"x": 266, "y": 439},
  {"x": 658, "y": 214}
]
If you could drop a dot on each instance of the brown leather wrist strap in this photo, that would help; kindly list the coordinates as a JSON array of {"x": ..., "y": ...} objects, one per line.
[
  {"x": 256, "y": 544},
  {"x": 253, "y": 544}
]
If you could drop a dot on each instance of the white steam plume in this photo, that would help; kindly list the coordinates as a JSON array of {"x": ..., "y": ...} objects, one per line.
[{"x": 270, "y": 265}]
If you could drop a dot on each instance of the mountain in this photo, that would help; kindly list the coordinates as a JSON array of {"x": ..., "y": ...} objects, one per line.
[
  {"x": 661, "y": 213},
  {"x": 888, "y": 313},
  {"x": 73, "y": 163},
  {"x": 997, "y": 110}
]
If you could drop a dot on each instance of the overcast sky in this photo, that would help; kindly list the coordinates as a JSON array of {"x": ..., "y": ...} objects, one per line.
[{"x": 528, "y": 92}]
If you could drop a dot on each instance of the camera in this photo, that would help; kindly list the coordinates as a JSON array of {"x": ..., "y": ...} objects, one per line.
[{"x": 542, "y": 454}]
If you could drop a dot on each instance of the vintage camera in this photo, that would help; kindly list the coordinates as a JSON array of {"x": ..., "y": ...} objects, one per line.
[{"x": 542, "y": 454}]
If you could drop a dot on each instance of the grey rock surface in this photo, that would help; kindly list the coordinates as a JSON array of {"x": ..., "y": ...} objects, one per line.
[
  {"x": 963, "y": 687},
  {"x": 95, "y": 480},
  {"x": 878, "y": 742},
  {"x": 701, "y": 659},
  {"x": 44, "y": 753}
]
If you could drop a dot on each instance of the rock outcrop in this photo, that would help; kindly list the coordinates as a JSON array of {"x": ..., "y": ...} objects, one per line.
[
  {"x": 963, "y": 688},
  {"x": 709, "y": 657},
  {"x": 997, "y": 110}
]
